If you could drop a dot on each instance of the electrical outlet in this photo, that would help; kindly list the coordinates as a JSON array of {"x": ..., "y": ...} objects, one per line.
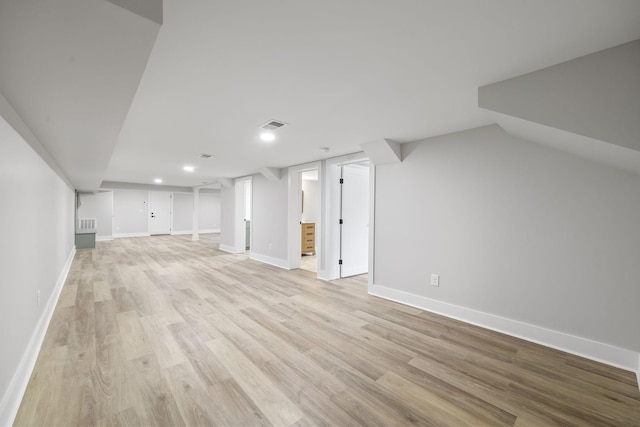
[
  {"x": 435, "y": 280},
  {"x": 270, "y": 246},
  {"x": 38, "y": 296}
]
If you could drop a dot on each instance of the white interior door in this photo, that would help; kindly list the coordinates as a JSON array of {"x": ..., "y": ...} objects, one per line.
[
  {"x": 354, "y": 238},
  {"x": 160, "y": 212}
]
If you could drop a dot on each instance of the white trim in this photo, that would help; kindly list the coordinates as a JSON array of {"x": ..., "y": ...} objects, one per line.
[
  {"x": 594, "y": 350},
  {"x": 638, "y": 372},
  {"x": 322, "y": 275},
  {"x": 121, "y": 235},
  {"x": 227, "y": 248},
  {"x": 208, "y": 231},
  {"x": 103, "y": 238},
  {"x": 18, "y": 385},
  {"x": 372, "y": 225},
  {"x": 331, "y": 212},
  {"x": 282, "y": 263},
  {"x": 240, "y": 235},
  {"x": 294, "y": 188},
  {"x": 195, "y": 215}
]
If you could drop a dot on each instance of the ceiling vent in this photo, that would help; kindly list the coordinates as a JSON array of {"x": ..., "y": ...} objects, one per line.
[{"x": 272, "y": 125}]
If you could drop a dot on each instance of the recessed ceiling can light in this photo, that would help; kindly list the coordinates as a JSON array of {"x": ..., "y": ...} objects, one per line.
[
  {"x": 267, "y": 136},
  {"x": 158, "y": 181},
  {"x": 189, "y": 168}
]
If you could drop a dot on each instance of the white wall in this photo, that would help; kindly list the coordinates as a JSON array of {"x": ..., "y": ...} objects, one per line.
[
  {"x": 311, "y": 212},
  {"x": 514, "y": 229},
  {"x": 182, "y": 213},
  {"x": 227, "y": 218},
  {"x": 270, "y": 218},
  {"x": 37, "y": 229},
  {"x": 100, "y": 207},
  {"x": 209, "y": 212},
  {"x": 130, "y": 213}
]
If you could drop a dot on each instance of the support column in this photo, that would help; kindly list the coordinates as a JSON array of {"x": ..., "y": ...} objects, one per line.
[{"x": 196, "y": 209}]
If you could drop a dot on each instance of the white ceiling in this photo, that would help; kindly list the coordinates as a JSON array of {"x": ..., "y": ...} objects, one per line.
[
  {"x": 70, "y": 69},
  {"x": 341, "y": 73}
]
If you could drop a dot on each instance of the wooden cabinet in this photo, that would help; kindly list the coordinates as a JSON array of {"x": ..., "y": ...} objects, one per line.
[{"x": 308, "y": 243}]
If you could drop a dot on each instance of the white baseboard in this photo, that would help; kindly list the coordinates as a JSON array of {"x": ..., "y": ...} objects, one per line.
[
  {"x": 594, "y": 350},
  {"x": 18, "y": 385},
  {"x": 227, "y": 248},
  {"x": 103, "y": 238},
  {"x": 323, "y": 275},
  {"x": 121, "y": 235},
  {"x": 638, "y": 373},
  {"x": 282, "y": 263},
  {"x": 209, "y": 231}
]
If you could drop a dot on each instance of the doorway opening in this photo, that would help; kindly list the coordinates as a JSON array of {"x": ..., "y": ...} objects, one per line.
[
  {"x": 309, "y": 217},
  {"x": 354, "y": 219},
  {"x": 305, "y": 218},
  {"x": 348, "y": 209}
]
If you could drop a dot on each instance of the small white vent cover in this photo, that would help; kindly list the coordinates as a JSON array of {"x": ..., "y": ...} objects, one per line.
[
  {"x": 272, "y": 125},
  {"x": 87, "y": 224}
]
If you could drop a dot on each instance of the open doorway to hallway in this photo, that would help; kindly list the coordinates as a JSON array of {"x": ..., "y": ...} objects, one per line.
[
  {"x": 305, "y": 217},
  {"x": 309, "y": 217}
]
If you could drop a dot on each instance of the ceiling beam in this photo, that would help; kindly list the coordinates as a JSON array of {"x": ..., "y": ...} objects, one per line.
[{"x": 382, "y": 151}]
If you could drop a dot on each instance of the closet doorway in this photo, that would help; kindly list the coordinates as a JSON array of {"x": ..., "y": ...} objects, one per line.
[{"x": 354, "y": 219}]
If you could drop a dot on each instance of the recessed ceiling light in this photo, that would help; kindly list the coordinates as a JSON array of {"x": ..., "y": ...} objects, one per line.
[
  {"x": 189, "y": 168},
  {"x": 158, "y": 181},
  {"x": 267, "y": 136},
  {"x": 206, "y": 156}
]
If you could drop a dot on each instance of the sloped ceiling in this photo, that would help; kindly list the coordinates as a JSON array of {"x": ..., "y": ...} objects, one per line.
[
  {"x": 70, "y": 69},
  {"x": 340, "y": 73},
  {"x": 589, "y": 106}
]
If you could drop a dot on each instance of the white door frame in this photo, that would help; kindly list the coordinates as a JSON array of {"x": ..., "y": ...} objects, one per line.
[
  {"x": 295, "y": 202},
  {"x": 354, "y": 262},
  {"x": 240, "y": 208},
  {"x": 331, "y": 215}
]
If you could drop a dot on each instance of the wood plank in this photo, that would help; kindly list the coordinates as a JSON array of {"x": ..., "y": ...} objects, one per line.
[
  {"x": 190, "y": 395},
  {"x": 164, "y": 346},
  {"x": 155, "y": 402},
  {"x": 167, "y": 331},
  {"x": 271, "y": 401}
]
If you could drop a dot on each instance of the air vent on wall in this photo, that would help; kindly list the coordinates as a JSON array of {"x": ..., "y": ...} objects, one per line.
[{"x": 272, "y": 125}]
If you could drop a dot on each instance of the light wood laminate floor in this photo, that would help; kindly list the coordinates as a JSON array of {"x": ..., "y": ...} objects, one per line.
[{"x": 166, "y": 331}]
